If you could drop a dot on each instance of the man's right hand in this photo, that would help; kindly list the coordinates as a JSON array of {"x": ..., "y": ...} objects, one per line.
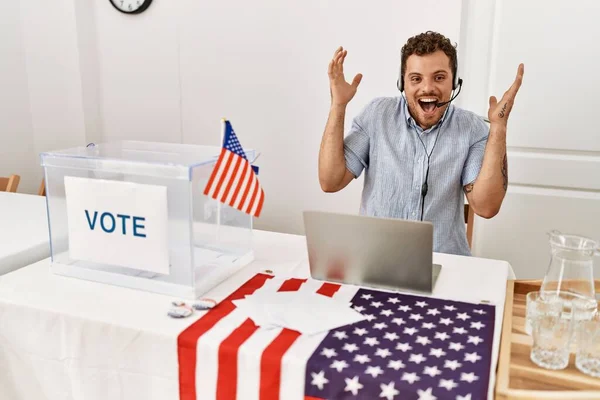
[{"x": 341, "y": 91}]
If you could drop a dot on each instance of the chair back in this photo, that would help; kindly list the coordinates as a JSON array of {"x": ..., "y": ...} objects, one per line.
[
  {"x": 469, "y": 219},
  {"x": 10, "y": 184}
]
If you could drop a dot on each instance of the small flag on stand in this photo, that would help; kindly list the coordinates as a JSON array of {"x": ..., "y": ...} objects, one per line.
[{"x": 234, "y": 181}]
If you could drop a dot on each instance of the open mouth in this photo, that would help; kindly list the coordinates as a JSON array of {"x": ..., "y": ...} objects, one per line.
[{"x": 428, "y": 104}]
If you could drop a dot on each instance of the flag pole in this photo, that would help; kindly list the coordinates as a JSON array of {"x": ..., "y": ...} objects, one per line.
[{"x": 219, "y": 204}]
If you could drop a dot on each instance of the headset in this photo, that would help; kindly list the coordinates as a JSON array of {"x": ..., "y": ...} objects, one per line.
[{"x": 456, "y": 83}]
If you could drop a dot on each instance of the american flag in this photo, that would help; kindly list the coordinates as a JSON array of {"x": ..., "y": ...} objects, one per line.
[
  {"x": 233, "y": 180},
  {"x": 409, "y": 347}
]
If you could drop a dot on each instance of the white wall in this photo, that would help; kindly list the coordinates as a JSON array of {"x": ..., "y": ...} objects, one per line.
[
  {"x": 86, "y": 73},
  {"x": 173, "y": 72},
  {"x": 89, "y": 70},
  {"x": 53, "y": 74},
  {"x": 138, "y": 72},
  {"x": 16, "y": 141},
  {"x": 43, "y": 85}
]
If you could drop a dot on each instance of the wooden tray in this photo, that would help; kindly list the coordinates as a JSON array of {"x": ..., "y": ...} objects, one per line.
[{"x": 517, "y": 376}]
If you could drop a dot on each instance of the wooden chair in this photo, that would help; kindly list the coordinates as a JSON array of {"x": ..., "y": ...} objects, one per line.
[
  {"x": 469, "y": 219},
  {"x": 42, "y": 189},
  {"x": 10, "y": 184}
]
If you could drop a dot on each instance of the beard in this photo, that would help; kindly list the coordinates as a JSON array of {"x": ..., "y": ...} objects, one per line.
[{"x": 425, "y": 114}]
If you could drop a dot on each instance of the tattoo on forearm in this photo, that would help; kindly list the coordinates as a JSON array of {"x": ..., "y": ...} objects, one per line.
[
  {"x": 505, "y": 172},
  {"x": 501, "y": 113},
  {"x": 468, "y": 188}
]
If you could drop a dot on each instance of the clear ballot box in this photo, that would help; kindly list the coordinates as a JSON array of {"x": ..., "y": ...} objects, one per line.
[{"x": 134, "y": 214}]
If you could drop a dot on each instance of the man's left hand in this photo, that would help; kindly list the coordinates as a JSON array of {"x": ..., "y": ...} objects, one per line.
[{"x": 499, "y": 111}]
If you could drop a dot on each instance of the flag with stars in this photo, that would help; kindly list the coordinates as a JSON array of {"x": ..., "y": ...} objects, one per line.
[
  {"x": 233, "y": 180},
  {"x": 408, "y": 347}
]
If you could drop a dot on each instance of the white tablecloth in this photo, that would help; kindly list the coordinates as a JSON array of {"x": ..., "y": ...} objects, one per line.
[
  {"x": 64, "y": 338},
  {"x": 23, "y": 230}
]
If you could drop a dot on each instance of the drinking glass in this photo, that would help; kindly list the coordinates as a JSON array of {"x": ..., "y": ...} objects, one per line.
[
  {"x": 551, "y": 334},
  {"x": 538, "y": 305},
  {"x": 587, "y": 356}
]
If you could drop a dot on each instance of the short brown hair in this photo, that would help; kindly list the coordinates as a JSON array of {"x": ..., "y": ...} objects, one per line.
[{"x": 427, "y": 43}]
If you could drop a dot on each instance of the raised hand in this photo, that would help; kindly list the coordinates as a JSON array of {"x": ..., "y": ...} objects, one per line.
[
  {"x": 341, "y": 91},
  {"x": 499, "y": 111}
]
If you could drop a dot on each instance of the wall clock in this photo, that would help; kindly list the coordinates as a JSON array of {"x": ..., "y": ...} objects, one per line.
[{"x": 131, "y": 6}]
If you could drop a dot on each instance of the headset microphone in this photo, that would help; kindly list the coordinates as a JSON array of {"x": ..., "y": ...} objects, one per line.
[{"x": 453, "y": 97}]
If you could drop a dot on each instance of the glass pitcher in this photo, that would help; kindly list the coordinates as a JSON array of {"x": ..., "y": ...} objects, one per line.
[{"x": 570, "y": 274}]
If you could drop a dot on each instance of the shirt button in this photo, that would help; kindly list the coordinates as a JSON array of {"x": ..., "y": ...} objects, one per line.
[
  {"x": 413, "y": 214},
  {"x": 417, "y": 187}
]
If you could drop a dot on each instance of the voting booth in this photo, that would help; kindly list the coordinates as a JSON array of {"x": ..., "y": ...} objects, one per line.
[{"x": 134, "y": 214}]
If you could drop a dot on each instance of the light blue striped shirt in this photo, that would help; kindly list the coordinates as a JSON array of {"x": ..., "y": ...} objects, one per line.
[{"x": 385, "y": 142}]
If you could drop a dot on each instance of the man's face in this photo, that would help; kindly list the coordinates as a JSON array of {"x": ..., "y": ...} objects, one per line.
[{"x": 427, "y": 80}]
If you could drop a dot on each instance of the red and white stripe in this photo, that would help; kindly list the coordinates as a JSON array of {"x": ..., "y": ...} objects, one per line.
[
  {"x": 225, "y": 356},
  {"x": 233, "y": 182}
]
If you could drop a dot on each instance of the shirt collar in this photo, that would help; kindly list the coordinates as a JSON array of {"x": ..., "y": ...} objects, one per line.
[{"x": 411, "y": 122}]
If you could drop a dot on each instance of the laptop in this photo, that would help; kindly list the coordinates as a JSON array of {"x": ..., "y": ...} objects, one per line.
[{"x": 376, "y": 252}]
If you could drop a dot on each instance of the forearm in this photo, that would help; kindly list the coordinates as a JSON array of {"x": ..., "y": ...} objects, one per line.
[
  {"x": 332, "y": 163},
  {"x": 487, "y": 193}
]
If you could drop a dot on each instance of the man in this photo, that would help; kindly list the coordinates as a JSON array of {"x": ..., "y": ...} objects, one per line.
[{"x": 419, "y": 151}]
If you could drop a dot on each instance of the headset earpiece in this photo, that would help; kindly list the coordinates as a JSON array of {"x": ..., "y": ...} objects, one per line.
[
  {"x": 456, "y": 82},
  {"x": 400, "y": 81}
]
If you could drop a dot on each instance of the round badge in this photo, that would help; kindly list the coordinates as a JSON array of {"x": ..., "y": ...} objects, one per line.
[
  {"x": 179, "y": 312},
  {"x": 204, "y": 304}
]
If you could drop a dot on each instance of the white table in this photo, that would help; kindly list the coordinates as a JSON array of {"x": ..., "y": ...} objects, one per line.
[
  {"x": 23, "y": 230},
  {"x": 64, "y": 338}
]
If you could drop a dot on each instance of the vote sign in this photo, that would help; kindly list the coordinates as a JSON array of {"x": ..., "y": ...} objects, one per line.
[{"x": 118, "y": 223}]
